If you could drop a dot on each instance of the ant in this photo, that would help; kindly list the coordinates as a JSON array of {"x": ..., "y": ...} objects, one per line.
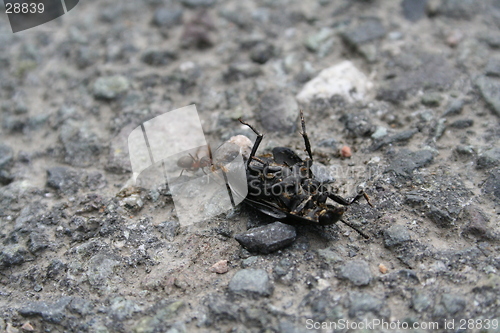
[{"x": 193, "y": 164}]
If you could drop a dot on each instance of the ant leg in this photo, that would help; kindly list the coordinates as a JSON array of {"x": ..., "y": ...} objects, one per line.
[
  {"x": 355, "y": 228},
  {"x": 304, "y": 135},
  {"x": 342, "y": 201},
  {"x": 257, "y": 141}
]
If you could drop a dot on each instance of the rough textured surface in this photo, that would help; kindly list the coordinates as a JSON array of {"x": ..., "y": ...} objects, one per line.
[{"x": 82, "y": 250}]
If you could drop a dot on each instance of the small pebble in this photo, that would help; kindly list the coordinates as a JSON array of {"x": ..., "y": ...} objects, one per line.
[
  {"x": 220, "y": 267},
  {"x": 454, "y": 38},
  {"x": 27, "y": 327},
  {"x": 345, "y": 151},
  {"x": 382, "y": 268}
]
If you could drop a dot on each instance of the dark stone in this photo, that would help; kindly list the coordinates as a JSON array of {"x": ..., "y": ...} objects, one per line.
[
  {"x": 81, "y": 146},
  {"x": 169, "y": 229},
  {"x": 6, "y": 157},
  {"x": 453, "y": 303},
  {"x": 431, "y": 99},
  {"x": 476, "y": 223},
  {"x": 462, "y": 123},
  {"x": 490, "y": 90},
  {"x": 362, "y": 303},
  {"x": 55, "y": 269},
  {"x": 405, "y": 162},
  {"x": 414, "y": 10},
  {"x": 488, "y": 159},
  {"x": 198, "y": 3},
  {"x": 390, "y": 139},
  {"x": 278, "y": 112},
  {"x": 262, "y": 52},
  {"x": 167, "y": 17},
  {"x": 358, "y": 124},
  {"x": 413, "y": 71},
  {"x": 458, "y": 9},
  {"x": 396, "y": 235},
  {"x": 50, "y": 312},
  {"x": 12, "y": 255},
  {"x": 64, "y": 179},
  {"x": 158, "y": 57},
  {"x": 240, "y": 71},
  {"x": 80, "y": 306},
  {"x": 420, "y": 302},
  {"x": 368, "y": 30},
  {"x": 222, "y": 310},
  {"x": 356, "y": 271},
  {"x": 251, "y": 282},
  {"x": 440, "y": 216},
  {"x": 110, "y": 87},
  {"x": 492, "y": 185},
  {"x": 37, "y": 242},
  {"x": 493, "y": 67},
  {"x": 454, "y": 107},
  {"x": 268, "y": 238},
  {"x": 85, "y": 57}
]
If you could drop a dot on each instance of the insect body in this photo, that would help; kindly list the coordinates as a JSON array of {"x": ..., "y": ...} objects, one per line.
[{"x": 284, "y": 186}]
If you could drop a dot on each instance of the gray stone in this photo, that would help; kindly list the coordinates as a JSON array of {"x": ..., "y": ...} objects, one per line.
[
  {"x": 414, "y": 10},
  {"x": 12, "y": 255},
  {"x": 222, "y": 310},
  {"x": 169, "y": 229},
  {"x": 431, "y": 99},
  {"x": 493, "y": 67},
  {"x": 167, "y": 17},
  {"x": 101, "y": 267},
  {"x": 453, "y": 303},
  {"x": 454, "y": 107},
  {"x": 420, "y": 302},
  {"x": 251, "y": 282},
  {"x": 122, "y": 308},
  {"x": 459, "y": 9},
  {"x": 405, "y": 162},
  {"x": 492, "y": 185},
  {"x": 278, "y": 112},
  {"x": 6, "y": 156},
  {"x": 110, "y": 87},
  {"x": 37, "y": 242},
  {"x": 268, "y": 238},
  {"x": 358, "y": 124},
  {"x": 165, "y": 312},
  {"x": 488, "y": 159},
  {"x": 66, "y": 180},
  {"x": 262, "y": 52},
  {"x": 81, "y": 146},
  {"x": 390, "y": 139},
  {"x": 440, "y": 216},
  {"x": 490, "y": 90},
  {"x": 368, "y": 30},
  {"x": 50, "y": 312},
  {"x": 198, "y": 3},
  {"x": 396, "y": 235},
  {"x": 462, "y": 123},
  {"x": 412, "y": 71},
  {"x": 476, "y": 223},
  {"x": 158, "y": 57},
  {"x": 80, "y": 306},
  {"x": 241, "y": 70},
  {"x": 356, "y": 271},
  {"x": 362, "y": 303}
]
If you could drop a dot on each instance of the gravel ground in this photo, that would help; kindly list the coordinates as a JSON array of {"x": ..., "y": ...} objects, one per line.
[{"x": 404, "y": 95}]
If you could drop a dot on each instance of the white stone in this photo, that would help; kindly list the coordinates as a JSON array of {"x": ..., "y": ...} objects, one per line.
[{"x": 342, "y": 79}]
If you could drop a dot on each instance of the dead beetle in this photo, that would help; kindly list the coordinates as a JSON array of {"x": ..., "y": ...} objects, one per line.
[{"x": 283, "y": 186}]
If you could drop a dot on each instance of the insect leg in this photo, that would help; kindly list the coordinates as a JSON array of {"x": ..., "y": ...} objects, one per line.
[
  {"x": 355, "y": 228},
  {"x": 304, "y": 135},
  {"x": 257, "y": 141}
]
